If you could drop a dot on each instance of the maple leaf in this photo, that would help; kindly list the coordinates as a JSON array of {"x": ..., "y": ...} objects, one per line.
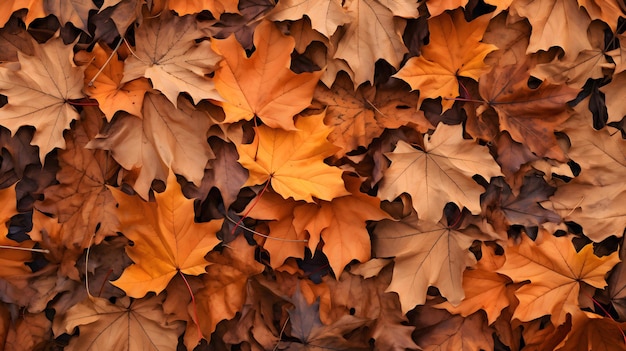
[
  {"x": 12, "y": 261},
  {"x": 619, "y": 56},
  {"x": 313, "y": 335},
  {"x": 107, "y": 88},
  {"x": 293, "y": 222},
  {"x": 588, "y": 64},
  {"x": 361, "y": 292},
  {"x": 454, "y": 50},
  {"x": 325, "y": 15},
  {"x": 81, "y": 200},
  {"x": 167, "y": 53},
  {"x": 39, "y": 91},
  {"x": 262, "y": 85},
  {"x": 529, "y": 115},
  {"x": 484, "y": 290},
  {"x": 225, "y": 173},
  {"x": 616, "y": 291},
  {"x": 556, "y": 272},
  {"x": 613, "y": 95},
  {"x": 122, "y": 13},
  {"x": 439, "y": 174},
  {"x": 595, "y": 333},
  {"x": 373, "y": 33},
  {"x": 166, "y": 239},
  {"x": 127, "y": 324},
  {"x": 593, "y": 198},
  {"x": 511, "y": 40},
  {"x": 14, "y": 39},
  {"x": 74, "y": 12},
  {"x": 284, "y": 240},
  {"x": 216, "y": 7},
  {"x": 31, "y": 332},
  {"x": 426, "y": 254},
  {"x": 555, "y": 16},
  {"x": 608, "y": 11},
  {"x": 63, "y": 245},
  {"x": 341, "y": 224},
  {"x": 357, "y": 117},
  {"x": 505, "y": 209},
  {"x": 226, "y": 284},
  {"x": 293, "y": 161},
  {"x": 439, "y": 330},
  {"x": 436, "y": 8},
  {"x": 35, "y": 10},
  {"x": 165, "y": 138}
]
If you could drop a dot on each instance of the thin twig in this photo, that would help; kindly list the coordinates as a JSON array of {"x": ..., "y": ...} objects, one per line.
[
  {"x": 24, "y": 249},
  {"x": 87, "y": 265},
  {"x": 193, "y": 302},
  {"x": 264, "y": 235},
  {"x": 90, "y": 84},
  {"x": 280, "y": 336}
]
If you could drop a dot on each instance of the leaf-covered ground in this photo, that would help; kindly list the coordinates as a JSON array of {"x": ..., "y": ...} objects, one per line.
[{"x": 312, "y": 175}]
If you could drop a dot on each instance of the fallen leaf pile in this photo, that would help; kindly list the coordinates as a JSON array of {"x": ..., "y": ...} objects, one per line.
[{"x": 312, "y": 175}]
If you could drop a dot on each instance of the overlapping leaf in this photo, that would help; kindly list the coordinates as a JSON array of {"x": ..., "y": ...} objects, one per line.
[{"x": 166, "y": 240}]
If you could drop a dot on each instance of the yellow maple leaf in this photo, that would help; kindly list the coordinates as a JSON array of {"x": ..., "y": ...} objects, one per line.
[
  {"x": 293, "y": 161},
  {"x": 454, "y": 51},
  {"x": 166, "y": 239}
]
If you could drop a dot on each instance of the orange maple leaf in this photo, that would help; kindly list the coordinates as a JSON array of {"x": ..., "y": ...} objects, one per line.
[
  {"x": 225, "y": 284},
  {"x": 293, "y": 161},
  {"x": 166, "y": 239},
  {"x": 555, "y": 271},
  {"x": 341, "y": 223},
  {"x": 262, "y": 85},
  {"x": 454, "y": 51},
  {"x": 11, "y": 261},
  {"x": 484, "y": 290},
  {"x": 107, "y": 73}
]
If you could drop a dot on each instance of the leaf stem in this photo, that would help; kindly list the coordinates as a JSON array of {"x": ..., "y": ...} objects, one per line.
[
  {"x": 104, "y": 282},
  {"x": 606, "y": 313},
  {"x": 90, "y": 84},
  {"x": 265, "y": 235},
  {"x": 82, "y": 102},
  {"x": 256, "y": 200},
  {"x": 464, "y": 99},
  {"x": 193, "y": 303},
  {"x": 24, "y": 249}
]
